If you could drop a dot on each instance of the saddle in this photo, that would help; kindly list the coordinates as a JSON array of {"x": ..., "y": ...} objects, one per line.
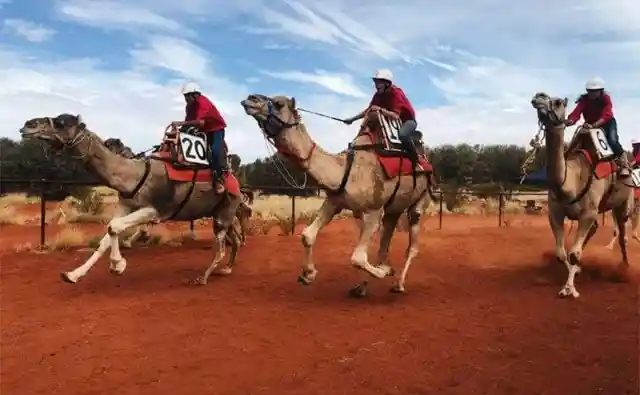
[
  {"x": 384, "y": 133},
  {"x": 185, "y": 148},
  {"x": 595, "y": 147}
]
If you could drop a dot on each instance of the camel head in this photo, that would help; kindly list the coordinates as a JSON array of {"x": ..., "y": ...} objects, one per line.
[
  {"x": 117, "y": 147},
  {"x": 273, "y": 114},
  {"x": 551, "y": 111},
  {"x": 62, "y": 131}
]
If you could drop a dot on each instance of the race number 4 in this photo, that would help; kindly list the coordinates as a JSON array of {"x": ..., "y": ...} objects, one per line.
[
  {"x": 635, "y": 177},
  {"x": 194, "y": 149},
  {"x": 600, "y": 142}
]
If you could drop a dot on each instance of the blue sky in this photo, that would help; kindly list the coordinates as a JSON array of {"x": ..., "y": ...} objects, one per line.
[{"x": 470, "y": 68}]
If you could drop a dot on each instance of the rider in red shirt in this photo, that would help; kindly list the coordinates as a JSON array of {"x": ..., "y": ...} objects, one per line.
[
  {"x": 635, "y": 152},
  {"x": 391, "y": 101},
  {"x": 202, "y": 113},
  {"x": 597, "y": 109}
]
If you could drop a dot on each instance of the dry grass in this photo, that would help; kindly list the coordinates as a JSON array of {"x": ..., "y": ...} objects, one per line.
[
  {"x": 18, "y": 198},
  {"x": 67, "y": 238},
  {"x": 271, "y": 213},
  {"x": 10, "y": 216}
]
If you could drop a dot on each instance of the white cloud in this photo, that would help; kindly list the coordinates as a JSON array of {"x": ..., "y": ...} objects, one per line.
[
  {"x": 29, "y": 30},
  {"x": 342, "y": 84},
  {"x": 175, "y": 54},
  {"x": 117, "y": 15}
]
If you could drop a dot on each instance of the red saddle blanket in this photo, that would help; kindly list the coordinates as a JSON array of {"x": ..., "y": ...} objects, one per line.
[
  {"x": 231, "y": 183},
  {"x": 394, "y": 166},
  {"x": 603, "y": 169}
]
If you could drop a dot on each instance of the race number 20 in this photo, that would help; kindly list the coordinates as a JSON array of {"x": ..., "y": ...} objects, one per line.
[{"x": 194, "y": 149}]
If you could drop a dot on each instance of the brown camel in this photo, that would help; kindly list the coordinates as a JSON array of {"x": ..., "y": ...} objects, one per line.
[
  {"x": 354, "y": 180},
  {"x": 146, "y": 193},
  {"x": 237, "y": 229},
  {"x": 582, "y": 183}
]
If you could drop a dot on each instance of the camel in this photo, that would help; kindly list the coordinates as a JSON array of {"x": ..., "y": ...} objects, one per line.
[
  {"x": 146, "y": 193},
  {"x": 354, "y": 180},
  {"x": 239, "y": 225},
  {"x": 582, "y": 183}
]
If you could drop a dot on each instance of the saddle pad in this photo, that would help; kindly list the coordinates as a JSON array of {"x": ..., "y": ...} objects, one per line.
[{"x": 231, "y": 183}]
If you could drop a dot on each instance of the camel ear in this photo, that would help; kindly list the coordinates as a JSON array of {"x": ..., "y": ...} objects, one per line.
[
  {"x": 81, "y": 124},
  {"x": 293, "y": 103},
  {"x": 565, "y": 101}
]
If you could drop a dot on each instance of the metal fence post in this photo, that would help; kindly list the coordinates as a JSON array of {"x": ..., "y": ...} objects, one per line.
[
  {"x": 293, "y": 215},
  {"x": 500, "y": 209},
  {"x": 440, "y": 212},
  {"x": 43, "y": 215}
]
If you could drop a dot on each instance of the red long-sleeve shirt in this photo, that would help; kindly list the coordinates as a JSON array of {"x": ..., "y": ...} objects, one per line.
[
  {"x": 593, "y": 109},
  {"x": 204, "y": 109},
  {"x": 396, "y": 101}
]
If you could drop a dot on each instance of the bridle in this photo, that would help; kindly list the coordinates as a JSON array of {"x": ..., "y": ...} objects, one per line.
[{"x": 273, "y": 125}]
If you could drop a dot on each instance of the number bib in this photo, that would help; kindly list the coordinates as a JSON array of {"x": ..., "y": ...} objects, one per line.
[
  {"x": 635, "y": 177},
  {"x": 600, "y": 142},
  {"x": 390, "y": 129},
  {"x": 194, "y": 149}
]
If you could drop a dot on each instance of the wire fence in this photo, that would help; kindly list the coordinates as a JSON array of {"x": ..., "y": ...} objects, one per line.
[{"x": 42, "y": 186}]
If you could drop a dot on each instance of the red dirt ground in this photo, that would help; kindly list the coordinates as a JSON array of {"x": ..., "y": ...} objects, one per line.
[{"x": 481, "y": 316}]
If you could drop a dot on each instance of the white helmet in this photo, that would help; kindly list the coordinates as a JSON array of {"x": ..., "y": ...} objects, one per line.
[
  {"x": 594, "y": 84},
  {"x": 190, "y": 87},
  {"x": 383, "y": 74}
]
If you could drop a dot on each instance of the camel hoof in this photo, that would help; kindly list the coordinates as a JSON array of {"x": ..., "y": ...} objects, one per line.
[
  {"x": 388, "y": 270},
  {"x": 303, "y": 280},
  {"x": 397, "y": 289},
  {"x": 67, "y": 279},
  {"x": 224, "y": 271},
  {"x": 307, "y": 277},
  {"x": 359, "y": 291},
  {"x": 199, "y": 281},
  {"x": 566, "y": 292}
]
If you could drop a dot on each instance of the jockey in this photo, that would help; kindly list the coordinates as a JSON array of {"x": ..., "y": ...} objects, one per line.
[
  {"x": 202, "y": 113},
  {"x": 393, "y": 103},
  {"x": 597, "y": 109},
  {"x": 635, "y": 152}
]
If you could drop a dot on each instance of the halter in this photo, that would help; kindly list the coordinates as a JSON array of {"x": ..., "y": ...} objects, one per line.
[{"x": 274, "y": 120}]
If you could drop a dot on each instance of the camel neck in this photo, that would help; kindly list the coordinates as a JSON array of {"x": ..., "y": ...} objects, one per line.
[
  {"x": 325, "y": 168},
  {"x": 556, "y": 164},
  {"x": 114, "y": 171}
]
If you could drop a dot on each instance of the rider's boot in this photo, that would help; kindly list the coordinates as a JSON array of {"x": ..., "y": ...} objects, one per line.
[
  {"x": 412, "y": 152},
  {"x": 623, "y": 164},
  {"x": 220, "y": 177}
]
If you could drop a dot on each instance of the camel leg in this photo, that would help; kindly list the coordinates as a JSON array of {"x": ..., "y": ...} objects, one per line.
[
  {"x": 556, "y": 221},
  {"x": 309, "y": 234},
  {"x": 141, "y": 230},
  {"x": 389, "y": 222},
  {"x": 412, "y": 249},
  {"x": 620, "y": 214},
  {"x": 220, "y": 236},
  {"x": 75, "y": 275},
  {"x": 106, "y": 242},
  {"x": 614, "y": 238},
  {"x": 359, "y": 258},
  {"x": 635, "y": 219},
  {"x": 118, "y": 225},
  {"x": 584, "y": 232}
]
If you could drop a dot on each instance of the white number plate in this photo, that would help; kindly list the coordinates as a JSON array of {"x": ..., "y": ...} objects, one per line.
[
  {"x": 600, "y": 142},
  {"x": 194, "y": 149}
]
